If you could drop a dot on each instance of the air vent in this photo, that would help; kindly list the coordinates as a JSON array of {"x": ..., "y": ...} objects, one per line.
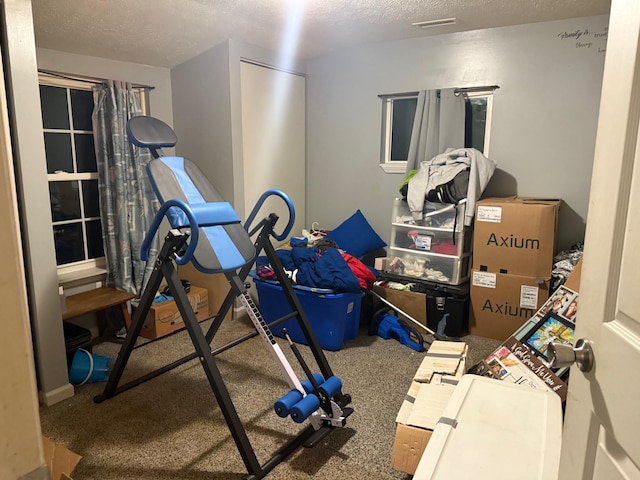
[{"x": 435, "y": 23}]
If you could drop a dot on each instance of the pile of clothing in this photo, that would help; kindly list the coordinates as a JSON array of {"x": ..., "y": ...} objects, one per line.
[{"x": 321, "y": 266}]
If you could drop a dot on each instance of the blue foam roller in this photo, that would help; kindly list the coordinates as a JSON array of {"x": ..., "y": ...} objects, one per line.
[
  {"x": 308, "y": 386},
  {"x": 283, "y": 405},
  {"x": 332, "y": 386},
  {"x": 305, "y": 407}
]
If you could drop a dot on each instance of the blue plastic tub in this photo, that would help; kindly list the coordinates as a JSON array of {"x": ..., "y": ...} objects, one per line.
[{"x": 334, "y": 317}]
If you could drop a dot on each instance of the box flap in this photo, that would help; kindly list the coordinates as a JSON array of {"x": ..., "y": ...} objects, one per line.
[
  {"x": 429, "y": 405},
  {"x": 442, "y": 357},
  {"x": 573, "y": 280},
  {"x": 407, "y": 404},
  {"x": 60, "y": 460}
]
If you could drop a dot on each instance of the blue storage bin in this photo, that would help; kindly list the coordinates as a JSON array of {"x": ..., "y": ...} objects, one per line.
[{"x": 334, "y": 317}]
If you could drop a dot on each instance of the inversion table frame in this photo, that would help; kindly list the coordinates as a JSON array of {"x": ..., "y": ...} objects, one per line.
[{"x": 188, "y": 238}]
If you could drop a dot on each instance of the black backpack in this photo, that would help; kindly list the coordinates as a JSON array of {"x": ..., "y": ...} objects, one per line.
[{"x": 451, "y": 192}]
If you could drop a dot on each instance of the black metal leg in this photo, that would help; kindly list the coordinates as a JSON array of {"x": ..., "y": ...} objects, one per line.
[
  {"x": 164, "y": 268},
  {"x": 171, "y": 244}
]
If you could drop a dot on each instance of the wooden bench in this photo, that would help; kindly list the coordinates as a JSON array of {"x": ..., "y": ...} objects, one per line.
[{"x": 98, "y": 301}]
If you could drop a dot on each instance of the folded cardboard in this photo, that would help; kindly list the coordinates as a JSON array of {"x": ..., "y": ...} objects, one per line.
[
  {"x": 60, "y": 460},
  {"x": 502, "y": 303},
  {"x": 448, "y": 358},
  {"x": 416, "y": 419},
  {"x": 164, "y": 317},
  {"x": 428, "y": 394},
  {"x": 515, "y": 235},
  {"x": 573, "y": 280}
]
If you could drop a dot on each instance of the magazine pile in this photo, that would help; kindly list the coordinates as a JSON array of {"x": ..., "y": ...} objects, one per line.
[{"x": 522, "y": 358}]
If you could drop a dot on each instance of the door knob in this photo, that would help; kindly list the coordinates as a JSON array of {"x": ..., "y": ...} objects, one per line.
[{"x": 564, "y": 355}]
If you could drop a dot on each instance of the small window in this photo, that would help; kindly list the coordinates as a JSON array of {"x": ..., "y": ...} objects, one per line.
[
  {"x": 398, "y": 112},
  {"x": 478, "y": 120},
  {"x": 397, "y": 123}
]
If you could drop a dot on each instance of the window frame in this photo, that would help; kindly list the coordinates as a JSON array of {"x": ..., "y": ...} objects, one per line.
[
  {"x": 92, "y": 266},
  {"x": 388, "y": 165},
  {"x": 93, "y": 269},
  {"x": 488, "y": 93},
  {"x": 399, "y": 166}
]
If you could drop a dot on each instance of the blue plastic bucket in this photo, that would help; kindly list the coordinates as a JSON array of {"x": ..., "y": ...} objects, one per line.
[{"x": 87, "y": 367}]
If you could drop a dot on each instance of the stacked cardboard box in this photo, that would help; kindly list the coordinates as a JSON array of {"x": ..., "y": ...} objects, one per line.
[
  {"x": 514, "y": 245},
  {"x": 520, "y": 360},
  {"x": 164, "y": 318},
  {"x": 430, "y": 390}
]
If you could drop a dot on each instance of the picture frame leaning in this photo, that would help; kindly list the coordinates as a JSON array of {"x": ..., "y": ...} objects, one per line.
[{"x": 552, "y": 327}]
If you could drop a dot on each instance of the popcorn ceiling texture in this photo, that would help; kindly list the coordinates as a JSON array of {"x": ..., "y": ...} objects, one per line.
[{"x": 165, "y": 33}]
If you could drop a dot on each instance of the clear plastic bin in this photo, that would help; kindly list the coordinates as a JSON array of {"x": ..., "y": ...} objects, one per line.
[
  {"x": 429, "y": 266},
  {"x": 435, "y": 216}
]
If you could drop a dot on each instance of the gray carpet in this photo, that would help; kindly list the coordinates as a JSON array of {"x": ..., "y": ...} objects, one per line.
[{"x": 172, "y": 428}]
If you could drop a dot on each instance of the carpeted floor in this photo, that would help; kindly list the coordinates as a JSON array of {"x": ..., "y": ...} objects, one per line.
[{"x": 172, "y": 428}]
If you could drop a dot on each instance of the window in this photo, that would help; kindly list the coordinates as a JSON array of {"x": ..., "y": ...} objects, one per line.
[
  {"x": 397, "y": 122},
  {"x": 399, "y": 110},
  {"x": 478, "y": 120},
  {"x": 72, "y": 173}
]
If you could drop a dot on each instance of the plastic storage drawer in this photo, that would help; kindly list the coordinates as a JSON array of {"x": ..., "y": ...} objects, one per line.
[
  {"x": 334, "y": 317},
  {"x": 432, "y": 240},
  {"x": 428, "y": 266},
  {"x": 442, "y": 216}
]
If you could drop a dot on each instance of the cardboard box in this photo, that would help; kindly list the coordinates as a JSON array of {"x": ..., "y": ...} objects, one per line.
[
  {"x": 408, "y": 447},
  {"x": 432, "y": 386},
  {"x": 515, "y": 235},
  {"x": 502, "y": 303},
  {"x": 412, "y": 303},
  {"x": 416, "y": 420},
  {"x": 164, "y": 317},
  {"x": 217, "y": 285},
  {"x": 573, "y": 280},
  {"x": 60, "y": 460}
]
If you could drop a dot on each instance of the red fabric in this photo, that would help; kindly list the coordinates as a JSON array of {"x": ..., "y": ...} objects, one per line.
[
  {"x": 446, "y": 248},
  {"x": 364, "y": 275}
]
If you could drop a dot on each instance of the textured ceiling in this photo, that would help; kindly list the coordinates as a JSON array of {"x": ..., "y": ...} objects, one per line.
[{"x": 165, "y": 33}]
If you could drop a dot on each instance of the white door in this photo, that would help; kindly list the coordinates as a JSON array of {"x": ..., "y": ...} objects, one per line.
[
  {"x": 273, "y": 140},
  {"x": 601, "y": 437}
]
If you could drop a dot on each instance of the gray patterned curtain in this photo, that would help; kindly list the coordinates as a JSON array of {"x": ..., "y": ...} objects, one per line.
[{"x": 127, "y": 201}]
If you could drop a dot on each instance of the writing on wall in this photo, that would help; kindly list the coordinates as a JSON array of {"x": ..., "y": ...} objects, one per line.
[{"x": 586, "y": 39}]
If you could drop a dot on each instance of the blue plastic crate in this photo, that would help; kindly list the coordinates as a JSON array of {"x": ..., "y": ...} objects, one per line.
[{"x": 334, "y": 317}]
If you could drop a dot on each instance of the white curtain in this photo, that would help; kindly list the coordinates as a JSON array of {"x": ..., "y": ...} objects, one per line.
[{"x": 437, "y": 125}]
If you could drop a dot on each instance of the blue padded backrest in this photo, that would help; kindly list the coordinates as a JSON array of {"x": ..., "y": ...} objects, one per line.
[{"x": 220, "y": 248}]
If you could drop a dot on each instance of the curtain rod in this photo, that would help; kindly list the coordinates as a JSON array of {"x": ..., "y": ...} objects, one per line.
[
  {"x": 91, "y": 80},
  {"x": 456, "y": 91}
]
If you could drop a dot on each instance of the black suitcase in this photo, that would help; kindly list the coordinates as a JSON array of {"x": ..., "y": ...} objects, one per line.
[
  {"x": 447, "y": 306},
  {"x": 448, "y": 311}
]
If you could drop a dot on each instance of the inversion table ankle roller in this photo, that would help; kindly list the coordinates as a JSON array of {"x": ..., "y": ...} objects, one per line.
[{"x": 206, "y": 231}]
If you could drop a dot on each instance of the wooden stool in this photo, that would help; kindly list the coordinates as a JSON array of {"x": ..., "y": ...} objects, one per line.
[{"x": 98, "y": 300}]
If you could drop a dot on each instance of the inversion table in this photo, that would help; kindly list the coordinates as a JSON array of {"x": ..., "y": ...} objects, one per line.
[{"x": 206, "y": 231}]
